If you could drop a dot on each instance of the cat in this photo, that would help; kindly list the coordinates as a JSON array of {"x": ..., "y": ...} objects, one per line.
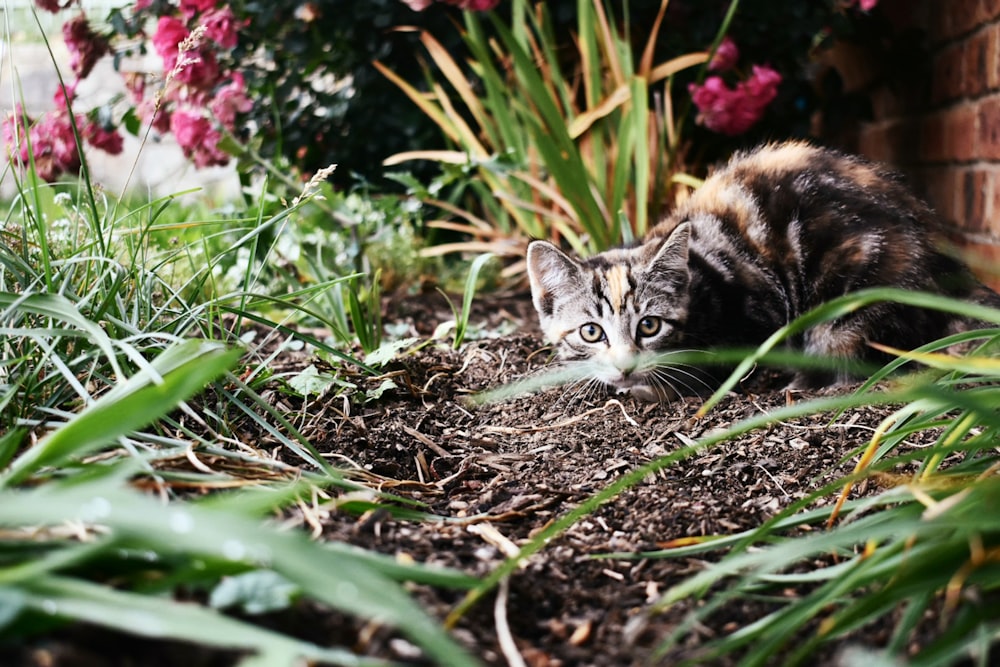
[{"x": 774, "y": 233}]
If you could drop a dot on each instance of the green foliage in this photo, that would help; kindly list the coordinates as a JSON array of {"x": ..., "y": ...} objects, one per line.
[
  {"x": 119, "y": 326},
  {"x": 197, "y": 545},
  {"x": 560, "y": 146}
]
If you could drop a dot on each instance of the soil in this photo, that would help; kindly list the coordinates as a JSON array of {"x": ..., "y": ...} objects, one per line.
[{"x": 501, "y": 472}]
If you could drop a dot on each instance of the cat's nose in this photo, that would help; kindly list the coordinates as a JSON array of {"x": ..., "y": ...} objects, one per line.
[{"x": 625, "y": 362}]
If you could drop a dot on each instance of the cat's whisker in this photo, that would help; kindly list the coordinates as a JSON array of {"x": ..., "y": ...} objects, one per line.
[
  {"x": 571, "y": 393},
  {"x": 693, "y": 374},
  {"x": 580, "y": 390},
  {"x": 594, "y": 386}
]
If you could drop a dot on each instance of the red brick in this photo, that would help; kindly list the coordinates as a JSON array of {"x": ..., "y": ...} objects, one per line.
[
  {"x": 933, "y": 139},
  {"x": 948, "y": 19},
  {"x": 938, "y": 186},
  {"x": 993, "y": 56},
  {"x": 951, "y": 199},
  {"x": 947, "y": 75},
  {"x": 990, "y": 9},
  {"x": 975, "y": 64},
  {"x": 991, "y": 207},
  {"x": 983, "y": 255},
  {"x": 970, "y": 204},
  {"x": 964, "y": 15},
  {"x": 961, "y": 125},
  {"x": 988, "y": 130}
]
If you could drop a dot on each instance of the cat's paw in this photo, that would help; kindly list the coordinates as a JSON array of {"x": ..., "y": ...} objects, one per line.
[
  {"x": 814, "y": 380},
  {"x": 651, "y": 394}
]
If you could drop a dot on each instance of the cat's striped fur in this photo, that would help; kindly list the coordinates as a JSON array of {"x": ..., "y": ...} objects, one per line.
[{"x": 774, "y": 233}]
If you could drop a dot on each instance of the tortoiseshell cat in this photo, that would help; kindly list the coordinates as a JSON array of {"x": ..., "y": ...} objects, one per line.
[{"x": 774, "y": 233}]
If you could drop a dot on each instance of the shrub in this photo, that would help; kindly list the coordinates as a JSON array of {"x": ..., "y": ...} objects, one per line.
[{"x": 319, "y": 100}]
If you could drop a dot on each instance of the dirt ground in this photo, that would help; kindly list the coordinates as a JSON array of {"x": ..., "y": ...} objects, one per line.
[
  {"x": 504, "y": 471},
  {"x": 517, "y": 465}
]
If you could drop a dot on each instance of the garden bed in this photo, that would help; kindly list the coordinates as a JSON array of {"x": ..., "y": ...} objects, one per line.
[{"x": 499, "y": 473}]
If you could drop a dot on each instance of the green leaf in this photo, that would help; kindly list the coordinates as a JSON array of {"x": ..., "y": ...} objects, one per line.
[
  {"x": 255, "y": 592},
  {"x": 176, "y": 375},
  {"x": 376, "y": 393},
  {"x": 12, "y": 603},
  {"x": 310, "y": 382},
  {"x": 462, "y": 318},
  {"x": 388, "y": 351},
  {"x": 161, "y": 618},
  {"x": 350, "y": 582}
]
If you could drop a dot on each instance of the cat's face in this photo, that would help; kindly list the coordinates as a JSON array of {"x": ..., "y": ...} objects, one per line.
[{"x": 615, "y": 311}]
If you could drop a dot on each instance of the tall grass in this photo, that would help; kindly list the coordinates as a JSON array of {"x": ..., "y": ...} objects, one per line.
[
  {"x": 120, "y": 355},
  {"x": 564, "y": 141},
  {"x": 134, "y": 337}
]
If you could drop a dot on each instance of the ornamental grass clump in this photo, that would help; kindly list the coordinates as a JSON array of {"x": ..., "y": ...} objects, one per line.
[{"x": 576, "y": 147}]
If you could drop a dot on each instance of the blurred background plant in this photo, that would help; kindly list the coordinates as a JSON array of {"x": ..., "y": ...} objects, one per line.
[
  {"x": 327, "y": 103},
  {"x": 562, "y": 144}
]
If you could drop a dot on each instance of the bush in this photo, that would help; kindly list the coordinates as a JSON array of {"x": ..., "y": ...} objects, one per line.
[{"x": 317, "y": 99}]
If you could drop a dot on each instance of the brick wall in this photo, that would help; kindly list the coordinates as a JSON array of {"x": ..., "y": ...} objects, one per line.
[{"x": 942, "y": 126}]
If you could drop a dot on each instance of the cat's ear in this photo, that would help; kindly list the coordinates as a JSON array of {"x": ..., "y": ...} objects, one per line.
[
  {"x": 550, "y": 271},
  {"x": 671, "y": 258}
]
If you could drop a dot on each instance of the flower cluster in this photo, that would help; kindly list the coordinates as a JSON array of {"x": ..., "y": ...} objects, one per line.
[
  {"x": 471, "y": 5},
  {"x": 50, "y": 140},
  {"x": 733, "y": 110},
  {"x": 200, "y": 98}
]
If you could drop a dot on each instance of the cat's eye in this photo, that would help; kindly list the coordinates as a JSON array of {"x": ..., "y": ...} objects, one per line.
[
  {"x": 591, "y": 333},
  {"x": 649, "y": 326}
]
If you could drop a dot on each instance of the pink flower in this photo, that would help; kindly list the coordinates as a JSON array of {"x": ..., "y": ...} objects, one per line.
[
  {"x": 64, "y": 95},
  {"x": 85, "y": 46},
  {"x": 763, "y": 84},
  {"x": 157, "y": 117},
  {"x": 221, "y": 27},
  {"x": 142, "y": 4},
  {"x": 49, "y": 142},
  {"x": 191, "y": 7},
  {"x": 725, "y": 57},
  {"x": 230, "y": 100},
  {"x": 15, "y": 129},
  {"x": 418, "y": 5},
  {"x": 53, "y": 6},
  {"x": 109, "y": 141},
  {"x": 475, "y": 5},
  {"x": 197, "y": 138},
  {"x": 55, "y": 131},
  {"x": 199, "y": 69},
  {"x": 170, "y": 32},
  {"x": 865, "y": 5},
  {"x": 733, "y": 111}
]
